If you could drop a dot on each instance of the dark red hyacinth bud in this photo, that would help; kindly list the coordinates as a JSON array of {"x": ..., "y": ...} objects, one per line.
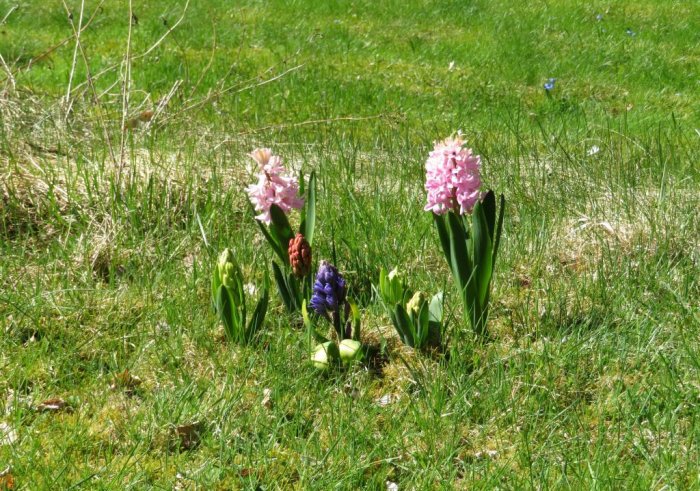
[{"x": 300, "y": 256}]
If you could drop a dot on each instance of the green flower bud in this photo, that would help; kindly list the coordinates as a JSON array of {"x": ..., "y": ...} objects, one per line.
[
  {"x": 228, "y": 268},
  {"x": 416, "y": 303},
  {"x": 226, "y": 261},
  {"x": 227, "y": 275},
  {"x": 391, "y": 286},
  {"x": 349, "y": 350},
  {"x": 325, "y": 355}
]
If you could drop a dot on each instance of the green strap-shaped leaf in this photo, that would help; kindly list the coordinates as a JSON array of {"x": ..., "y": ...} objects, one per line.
[
  {"x": 228, "y": 313},
  {"x": 237, "y": 292},
  {"x": 405, "y": 325},
  {"x": 422, "y": 322},
  {"x": 276, "y": 247},
  {"x": 308, "y": 213},
  {"x": 409, "y": 336},
  {"x": 281, "y": 230},
  {"x": 395, "y": 323},
  {"x": 499, "y": 229},
  {"x": 444, "y": 235},
  {"x": 301, "y": 183},
  {"x": 459, "y": 255},
  {"x": 355, "y": 316},
  {"x": 215, "y": 284},
  {"x": 488, "y": 204},
  {"x": 383, "y": 284},
  {"x": 294, "y": 291},
  {"x": 258, "y": 318},
  {"x": 483, "y": 252},
  {"x": 282, "y": 287},
  {"x": 312, "y": 334}
]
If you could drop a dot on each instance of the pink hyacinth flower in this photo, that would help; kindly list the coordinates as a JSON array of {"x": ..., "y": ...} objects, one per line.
[
  {"x": 274, "y": 187},
  {"x": 452, "y": 177}
]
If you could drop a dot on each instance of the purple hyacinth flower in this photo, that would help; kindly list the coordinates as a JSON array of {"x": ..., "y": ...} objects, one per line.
[{"x": 329, "y": 290}]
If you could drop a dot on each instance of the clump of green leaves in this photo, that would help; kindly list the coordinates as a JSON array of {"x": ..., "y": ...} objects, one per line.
[
  {"x": 228, "y": 297},
  {"x": 470, "y": 244},
  {"x": 416, "y": 317}
]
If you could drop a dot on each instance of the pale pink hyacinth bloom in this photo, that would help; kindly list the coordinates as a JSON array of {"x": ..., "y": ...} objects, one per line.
[
  {"x": 273, "y": 186},
  {"x": 452, "y": 177}
]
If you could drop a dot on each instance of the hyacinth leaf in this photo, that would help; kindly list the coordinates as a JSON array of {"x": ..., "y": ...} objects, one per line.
[
  {"x": 228, "y": 313},
  {"x": 499, "y": 229},
  {"x": 355, "y": 316},
  {"x": 308, "y": 213},
  {"x": 422, "y": 325},
  {"x": 444, "y": 235},
  {"x": 396, "y": 324},
  {"x": 483, "y": 252},
  {"x": 488, "y": 205},
  {"x": 305, "y": 316},
  {"x": 403, "y": 325},
  {"x": 311, "y": 331},
  {"x": 282, "y": 287},
  {"x": 258, "y": 318},
  {"x": 293, "y": 291},
  {"x": 215, "y": 284},
  {"x": 384, "y": 285},
  {"x": 459, "y": 255},
  {"x": 435, "y": 327},
  {"x": 274, "y": 243},
  {"x": 281, "y": 230},
  {"x": 435, "y": 308},
  {"x": 237, "y": 292}
]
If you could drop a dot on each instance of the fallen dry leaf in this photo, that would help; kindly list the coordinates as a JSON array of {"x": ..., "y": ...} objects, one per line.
[
  {"x": 7, "y": 480},
  {"x": 146, "y": 116},
  {"x": 143, "y": 117},
  {"x": 125, "y": 380},
  {"x": 187, "y": 436},
  {"x": 54, "y": 406},
  {"x": 605, "y": 225}
]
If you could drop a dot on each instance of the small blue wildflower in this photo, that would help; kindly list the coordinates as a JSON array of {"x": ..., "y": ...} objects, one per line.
[
  {"x": 630, "y": 32},
  {"x": 599, "y": 17},
  {"x": 549, "y": 84}
]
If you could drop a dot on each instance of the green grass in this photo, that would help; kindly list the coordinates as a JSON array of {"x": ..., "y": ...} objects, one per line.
[{"x": 591, "y": 380}]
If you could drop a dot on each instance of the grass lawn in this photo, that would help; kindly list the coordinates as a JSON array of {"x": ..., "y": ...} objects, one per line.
[{"x": 124, "y": 143}]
